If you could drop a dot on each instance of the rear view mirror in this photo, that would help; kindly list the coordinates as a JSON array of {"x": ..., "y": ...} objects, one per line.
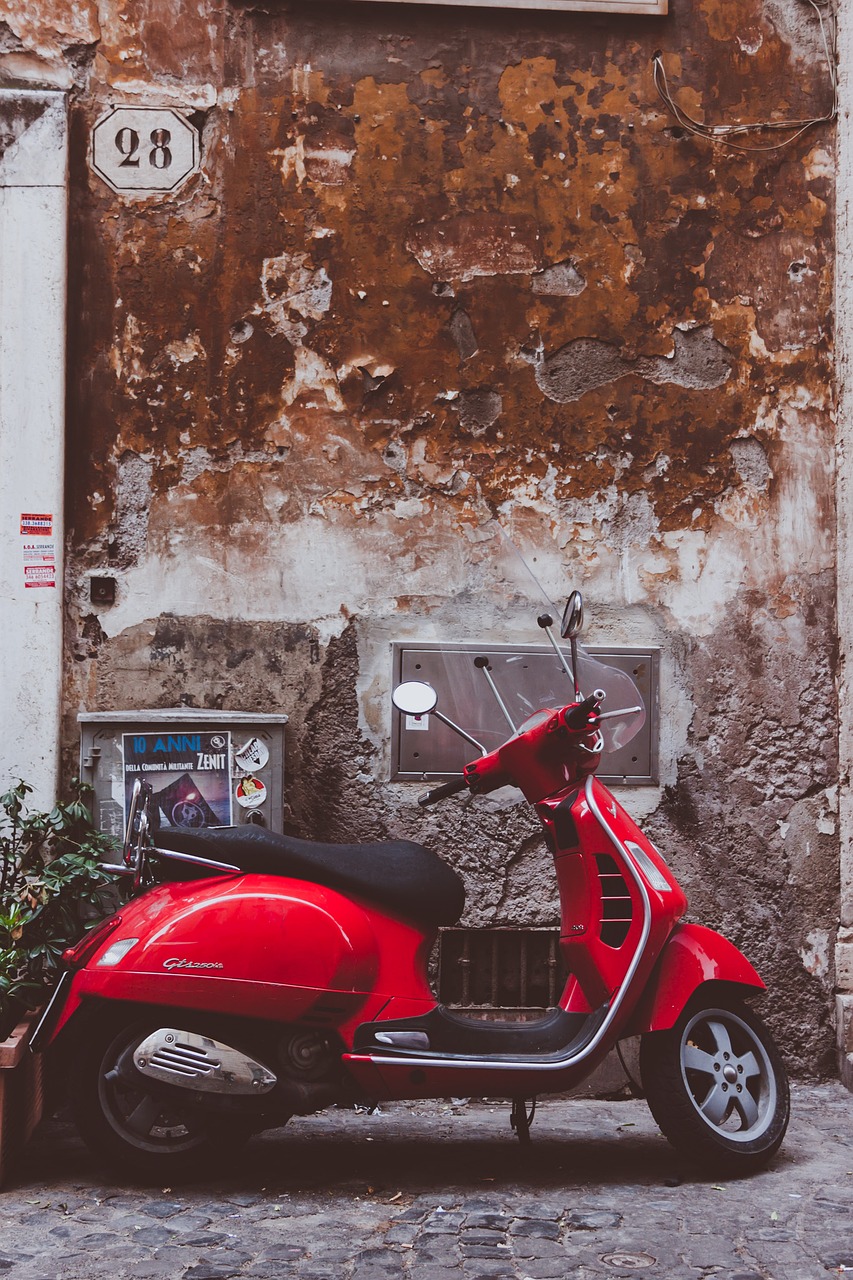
[
  {"x": 572, "y": 616},
  {"x": 414, "y": 698}
]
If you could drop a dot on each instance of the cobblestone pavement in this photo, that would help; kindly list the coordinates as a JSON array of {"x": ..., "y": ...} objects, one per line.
[{"x": 440, "y": 1191}]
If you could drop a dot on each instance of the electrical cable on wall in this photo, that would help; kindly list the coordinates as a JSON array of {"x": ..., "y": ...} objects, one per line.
[{"x": 726, "y": 133}]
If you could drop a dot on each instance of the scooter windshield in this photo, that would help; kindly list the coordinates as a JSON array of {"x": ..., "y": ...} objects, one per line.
[{"x": 496, "y": 684}]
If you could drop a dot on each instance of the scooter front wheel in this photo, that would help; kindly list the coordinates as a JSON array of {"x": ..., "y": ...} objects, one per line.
[
  {"x": 717, "y": 1086},
  {"x": 135, "y": 1127}
]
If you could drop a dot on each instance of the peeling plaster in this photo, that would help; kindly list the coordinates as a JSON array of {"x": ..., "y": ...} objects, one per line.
[{"x": 698, "y": 361}]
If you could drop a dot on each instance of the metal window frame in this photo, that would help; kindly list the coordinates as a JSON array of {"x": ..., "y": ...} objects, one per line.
[{"x": 649, "y": 654}]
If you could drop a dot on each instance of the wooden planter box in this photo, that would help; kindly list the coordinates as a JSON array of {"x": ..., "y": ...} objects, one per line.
[{"x": 21, "y": 1094}]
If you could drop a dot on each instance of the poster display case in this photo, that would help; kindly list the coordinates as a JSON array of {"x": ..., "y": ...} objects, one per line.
[{"x": 207, "y": 768}]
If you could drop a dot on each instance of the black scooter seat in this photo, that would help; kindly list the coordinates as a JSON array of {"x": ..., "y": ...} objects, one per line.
[{"x": 403, "y": 877}]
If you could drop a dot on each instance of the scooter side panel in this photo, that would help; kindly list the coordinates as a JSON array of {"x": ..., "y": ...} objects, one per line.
[
  {"x": 266, "y": 947},
  {"x": 692, "y": 956},
  {"x": 271, "y": 930}
]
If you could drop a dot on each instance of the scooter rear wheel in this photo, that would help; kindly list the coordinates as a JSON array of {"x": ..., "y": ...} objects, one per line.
[
  {"x": 140, "y": 1130},
  {"x": 717, "y": 1086}
]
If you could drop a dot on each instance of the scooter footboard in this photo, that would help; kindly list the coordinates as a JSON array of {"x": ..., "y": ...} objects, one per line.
[{"x": 691, "y": 956}]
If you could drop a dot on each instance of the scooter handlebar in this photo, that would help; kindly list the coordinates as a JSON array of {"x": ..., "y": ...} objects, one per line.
[
  {"x": 578, "y": 717},
  {"x": 441, "y": 793}
]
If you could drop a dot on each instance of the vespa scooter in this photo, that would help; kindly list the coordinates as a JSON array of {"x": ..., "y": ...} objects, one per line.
[{"x": 253, "y": 976}]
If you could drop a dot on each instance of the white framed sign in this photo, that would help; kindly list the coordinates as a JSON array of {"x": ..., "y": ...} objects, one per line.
[{"x": 142, "y": 150}]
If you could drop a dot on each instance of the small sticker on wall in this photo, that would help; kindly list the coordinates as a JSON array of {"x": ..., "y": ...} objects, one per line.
[
  {"x": 252, "y": 755},
  {"x": 37, "y": 524},
  {"x": 250, "y": 792},
  {"x": 39, "y": 563}
]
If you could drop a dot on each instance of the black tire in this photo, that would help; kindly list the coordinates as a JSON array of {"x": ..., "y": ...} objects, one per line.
[
  {"x": 717, "y": 1086},
  {"x": 137, "y": 1130}
]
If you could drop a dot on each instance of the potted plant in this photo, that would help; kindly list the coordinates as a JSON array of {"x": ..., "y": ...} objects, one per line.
[{"x": 51, "y": 892}]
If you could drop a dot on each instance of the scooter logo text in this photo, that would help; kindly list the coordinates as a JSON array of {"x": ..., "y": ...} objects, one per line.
[{"x": 176, "y": 962}]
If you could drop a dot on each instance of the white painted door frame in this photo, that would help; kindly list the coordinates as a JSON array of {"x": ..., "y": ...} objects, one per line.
[{"x": 33, "y": 291}]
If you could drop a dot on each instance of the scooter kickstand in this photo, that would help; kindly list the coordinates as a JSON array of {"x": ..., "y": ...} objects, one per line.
[{"x": 521, "y": 1119}]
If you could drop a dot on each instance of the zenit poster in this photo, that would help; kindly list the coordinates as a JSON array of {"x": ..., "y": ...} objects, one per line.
[{"x": 190, "y": 774}]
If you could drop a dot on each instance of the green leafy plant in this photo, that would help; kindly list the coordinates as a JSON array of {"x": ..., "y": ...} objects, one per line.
[{"x": 51, "y": 892}]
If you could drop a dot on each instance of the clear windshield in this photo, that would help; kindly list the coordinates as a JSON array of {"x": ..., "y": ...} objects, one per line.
[{"x": 507, "y": 601}]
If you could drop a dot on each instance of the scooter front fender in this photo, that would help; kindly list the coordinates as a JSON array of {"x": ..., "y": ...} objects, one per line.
[{"x": 692, "y": 955}]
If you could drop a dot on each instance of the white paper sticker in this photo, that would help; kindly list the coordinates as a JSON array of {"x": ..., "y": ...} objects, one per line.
[{"x": 252, "y": 755}]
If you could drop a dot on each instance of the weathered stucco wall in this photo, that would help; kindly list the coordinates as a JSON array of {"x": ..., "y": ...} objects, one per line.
[{"x": 440, "y": 265}]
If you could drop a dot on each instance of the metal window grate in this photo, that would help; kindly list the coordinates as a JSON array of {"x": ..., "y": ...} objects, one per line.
[{"x": 516, "y": 969}]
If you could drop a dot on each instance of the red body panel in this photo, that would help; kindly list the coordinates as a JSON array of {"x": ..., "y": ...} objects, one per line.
[
  {"x": 265, "y": 947},
  {"x": 693, "y": 955}
]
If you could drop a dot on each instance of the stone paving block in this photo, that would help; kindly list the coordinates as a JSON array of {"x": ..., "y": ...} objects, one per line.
[
  {"x": 204, "y": 1271},
  {"x": 593, "y": 1219},
  {"x": 541, "y": 1228},
  {"x": 282, "y": 1252},
  {"x": 709, "y": 1251},
  {"x": 537, "y": 1247},
  {"x": 488, "y": 1221},
  {"x": 443, "y": 1223},
  {"x": 480, "y": 1268},
  {"x": 545, "y": 1269},
  {"x": 428, "y": 1271},
  {"x": 162, "y": 1208},
  {"x": 199, "y": 1239},
  {"x": 838, "y": 1257},
  {"x": 401, "y": 1233}
]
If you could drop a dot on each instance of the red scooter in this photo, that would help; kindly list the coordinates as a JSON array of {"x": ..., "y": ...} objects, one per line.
[{"x": 253, "y": 976}]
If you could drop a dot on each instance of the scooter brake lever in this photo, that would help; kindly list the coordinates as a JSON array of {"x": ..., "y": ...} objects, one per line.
[{"x": 442, "y": 792}]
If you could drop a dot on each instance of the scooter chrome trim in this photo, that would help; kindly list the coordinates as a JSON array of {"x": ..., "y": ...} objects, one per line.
[
  {"x": 171, "y": 856},
  {"x": 48, "y": 1020},
  {"x": 193, "y": 1061},
  {"x": 530, "y": 1064}
]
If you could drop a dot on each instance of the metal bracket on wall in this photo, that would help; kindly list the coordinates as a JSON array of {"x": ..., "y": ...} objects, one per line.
[{"x": 424, "y": 748}]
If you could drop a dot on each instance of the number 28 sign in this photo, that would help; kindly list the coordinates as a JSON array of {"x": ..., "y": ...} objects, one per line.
[{"x": 141, "y": 150}]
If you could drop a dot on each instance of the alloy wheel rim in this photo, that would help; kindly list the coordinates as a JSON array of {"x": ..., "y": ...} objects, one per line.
[{"x": 728, "y": 1075}]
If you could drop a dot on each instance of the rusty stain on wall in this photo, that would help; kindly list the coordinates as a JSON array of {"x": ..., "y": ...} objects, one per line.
[{"x": 439, "y": 268}]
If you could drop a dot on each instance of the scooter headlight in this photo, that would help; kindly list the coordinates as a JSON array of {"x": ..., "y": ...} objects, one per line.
[{"x": 652, "y": 873}]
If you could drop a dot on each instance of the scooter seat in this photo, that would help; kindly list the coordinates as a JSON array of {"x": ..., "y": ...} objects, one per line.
[{"x": 403, "y": 877}]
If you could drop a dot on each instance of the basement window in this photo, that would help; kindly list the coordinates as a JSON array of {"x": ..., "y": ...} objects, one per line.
[{"x": 518, "y": 970}]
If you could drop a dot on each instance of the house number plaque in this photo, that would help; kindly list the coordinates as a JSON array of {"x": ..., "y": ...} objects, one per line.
[{"x": 142, "y": 150}]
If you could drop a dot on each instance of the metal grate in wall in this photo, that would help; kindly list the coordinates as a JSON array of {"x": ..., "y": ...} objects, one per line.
[{"x": 516, "y": 969}]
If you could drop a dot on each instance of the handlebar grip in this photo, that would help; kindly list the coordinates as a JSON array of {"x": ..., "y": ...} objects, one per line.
[
  {"x": 441, "y": 793},
  {"x": 578, "y": 717}
]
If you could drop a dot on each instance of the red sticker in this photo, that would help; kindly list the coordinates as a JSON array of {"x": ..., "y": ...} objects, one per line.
[
  {"x": 37, "y": 525},
  {"x": 39, "y": 575},
  {"x": 250, "y": 792}
]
